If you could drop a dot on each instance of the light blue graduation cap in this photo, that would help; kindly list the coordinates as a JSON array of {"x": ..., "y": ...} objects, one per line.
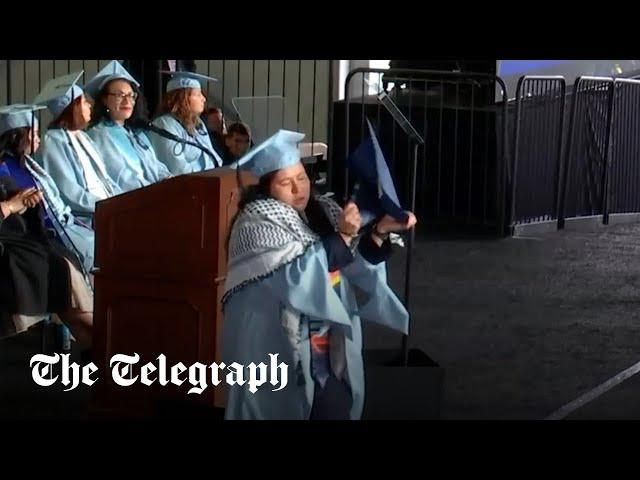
[
  {"x": 18, "y": 115},
  {"x": 375, "y": 193},
  {"x": 276, "y": 152},
  {"x": 59, "y": 92},
  {"x": 186, "y": 80},
  {"x": 112, "y": 71}
]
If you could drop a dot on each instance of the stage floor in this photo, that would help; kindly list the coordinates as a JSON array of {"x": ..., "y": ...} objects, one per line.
[{"x": 521, "y": 327}]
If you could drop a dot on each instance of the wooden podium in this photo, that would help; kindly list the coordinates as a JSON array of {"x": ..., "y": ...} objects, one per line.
[{"x": 160, "y": 269}]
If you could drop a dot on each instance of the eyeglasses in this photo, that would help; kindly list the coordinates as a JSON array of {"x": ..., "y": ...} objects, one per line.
[{"x": 121, "y": 96}]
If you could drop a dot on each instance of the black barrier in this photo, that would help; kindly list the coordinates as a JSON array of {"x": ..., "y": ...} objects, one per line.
[
  {"x": 537, "y": 151},
  {"x": 463, "y": 172},
  {"x": 624, "y": 179},
  {"x": 587, "y": 153}
]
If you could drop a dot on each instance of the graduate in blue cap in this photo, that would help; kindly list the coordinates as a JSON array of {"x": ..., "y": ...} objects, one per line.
[
  {"x": 19, "y": 140},
  {"x": 294, "y": 260},
  {"x": 179, "y": 135},
  {"x": 43, "y": 250},
  {"x": 68, "y": 153},
  {"x": 118, "y": 127}
]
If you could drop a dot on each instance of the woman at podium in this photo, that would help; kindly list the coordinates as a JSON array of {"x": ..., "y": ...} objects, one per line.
[
  {"x": 179, "y": 135},
  {"x": 119, "y": 120},
  {"x": 294, "y": 260},
  {"x": 42, "y": 246},
  {"x": 68, "y": 153}
]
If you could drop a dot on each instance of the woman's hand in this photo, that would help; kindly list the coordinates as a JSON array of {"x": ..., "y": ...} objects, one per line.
[
  {"x": 22, "y": 200},
  {"x": 349, "y": 222},
  {"x": 31, "y": 197},
  {"x": 388, "y": 224}
]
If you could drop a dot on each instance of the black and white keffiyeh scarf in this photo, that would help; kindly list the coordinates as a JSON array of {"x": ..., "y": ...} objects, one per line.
[{"x": 266, "y": 235}]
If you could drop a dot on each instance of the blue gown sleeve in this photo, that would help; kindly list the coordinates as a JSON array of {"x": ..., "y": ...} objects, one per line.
[
  {"x": 115, "y": 162},
  {"x": 159, "y": 170},
  {"x": 169, "y": 152},
  {"x": 303, "y": 284},
  {"x": 59, "y": 161},
  {"x": 176, "y": 156},
  {"x": 381, "y": 306}
]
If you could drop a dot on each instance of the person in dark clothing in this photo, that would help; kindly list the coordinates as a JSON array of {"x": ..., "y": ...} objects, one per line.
[
  {"x": 213, "y": 119},
  {"x": 38, "y": 275},
  {"x": 237, "y": 142}
]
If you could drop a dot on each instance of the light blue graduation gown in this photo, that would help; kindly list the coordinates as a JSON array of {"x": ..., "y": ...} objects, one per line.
[
  {"x": 179, "y": 157},
  {"x": 82, "y": 237},
  {"x": 253, "y": 329},
  {"x": 129, "y": 156},
  {"x": 60, "y": 160}
]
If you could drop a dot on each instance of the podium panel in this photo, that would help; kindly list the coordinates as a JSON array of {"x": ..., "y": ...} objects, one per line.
[{"x": 160, "y": 270}]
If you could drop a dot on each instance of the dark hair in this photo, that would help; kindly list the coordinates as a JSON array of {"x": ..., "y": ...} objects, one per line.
[
  {"x": 239, "y": 128},
  {"x": 139, "y": 118},
  {"x": 316, "y": 216},
  {"x": 14, "y": 141},
  {"x": 249, "y": 194},
  {"x": 257, "y": 191},
  {"x": 211, "y": 110},
  {"x": 71, "y": 116}
]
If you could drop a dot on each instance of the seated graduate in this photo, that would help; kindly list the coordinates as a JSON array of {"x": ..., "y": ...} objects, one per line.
[
  {"x": 236, "y": 142},
  {"x": 68, "y": 153},
  {"x": 214, "y": 121},
  {"x": 179, "y": 135},
  {"x": 19, "y": 139},
  {"x": 118, "y": 127},
  {"x": 294, "y": 260},
  {"x": 154, "y": 84},
  {"x": 38, "y": 276}
]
